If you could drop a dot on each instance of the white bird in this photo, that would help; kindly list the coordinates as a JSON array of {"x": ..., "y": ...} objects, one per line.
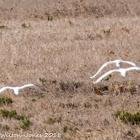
[
  {"x": 17, "y": 89},
  {"x": 122, "y": 71},
  {"x": 118, "y": 64}
]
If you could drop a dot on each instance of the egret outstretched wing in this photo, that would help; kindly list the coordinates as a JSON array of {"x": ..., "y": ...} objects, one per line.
[
  {"x": 102, "y": 67},
  {"x": 129, "y": 62},
  {"x": 133, "y": 68},
  {"x": 122, "y": 71},
  {"x": 27, "y": 85},
  {"x": 118, "y": 64},
  {"x": 104, "y": 75},
  {"x": 5, "y": 88},
  {"x": 31, "y": 85},
  {"x": 17, "y": 89}
]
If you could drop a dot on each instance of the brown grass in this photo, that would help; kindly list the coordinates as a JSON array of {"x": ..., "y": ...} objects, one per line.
[{"x": 65, "y": 52}]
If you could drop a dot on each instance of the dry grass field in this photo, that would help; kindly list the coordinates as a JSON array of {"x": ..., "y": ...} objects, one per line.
[{"x": 58, "y": 45}]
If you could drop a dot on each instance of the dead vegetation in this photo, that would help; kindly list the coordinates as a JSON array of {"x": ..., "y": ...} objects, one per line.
[{"x": 58, "y": 45}]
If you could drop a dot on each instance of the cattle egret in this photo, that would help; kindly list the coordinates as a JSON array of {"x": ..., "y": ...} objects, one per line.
[
  {"x": 121, "y": 70},
  {"x": 17, "y": 89},
  {"x": 118, "y": 64}
]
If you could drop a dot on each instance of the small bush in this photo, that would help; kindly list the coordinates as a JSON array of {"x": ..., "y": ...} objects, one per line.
[
  {"x": 33, "y": 100},
  {"x": 136, "y": 118},
  {"x": 5, "y": 100},
  {"x": 25, "y": 25},
  {"x": 127, "y": 117},
  {"x": 133, "y": 90},
  {"x": 42, "y": 80},
  {"x": 53, "y": 120},
  {"x": 25, "y": 123},
  {"x": 50, "y": 18},
  {"x": 20, "y": 117},
  {"x": 107, "y": 32},
  {"x": 138, "y": 104},
  {"x": 13, "y": 114},
  {"x": 8, "y": 114},
  {"x": 66, "y": 128},
  {"x": 72, "y": 129},
  {"x": 3, "y": 26},
  {"x": 70, "y": 22}
]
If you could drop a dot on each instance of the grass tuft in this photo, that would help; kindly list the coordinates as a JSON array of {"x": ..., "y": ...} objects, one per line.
[
  {"x": 50, "y": 18},
  {"x": 51, "y": 121},
  {"x": 127, "y": 117},
  {"x": 25, "y": 123},
  {"x": 66, "y": 128},
  {"x": 8, "y": 114},
  {"x": 43, "y": 80},
  {"x": 25, "y": 25},
  {"x": 3, "y": 26},
  {"x": 5, "y": 100}
]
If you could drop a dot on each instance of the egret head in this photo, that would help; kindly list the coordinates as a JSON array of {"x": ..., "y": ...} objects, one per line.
[{"x": 118, "y": 63}]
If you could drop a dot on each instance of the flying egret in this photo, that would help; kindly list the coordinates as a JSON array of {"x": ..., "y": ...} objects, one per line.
[
  {"x": 17, "y": 89},
  {"x": 121, "y": 70},
  {"x": 118, "y": 64}
]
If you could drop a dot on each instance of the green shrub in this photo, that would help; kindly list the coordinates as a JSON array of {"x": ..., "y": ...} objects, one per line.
[
  {"x": 3, "y": 26},
  {"x": 5, "y": 100},
  {"x": 13, "y": 114},
  {"x": 136, "y": 118},
  {"x": 25, "y": 123},
  {"x": 66, "y": 128},
  {"x": 107, "y": 32},
  {"x": 33, "y": 100},
  {"x": 50, "y": 18},
  {"x": 25, "y": 25},
  {"x": 20, "y": 117},
  {"x": 127, "y": 117},
  {"x": 53, "y": 120},
  {"x": 8, "y": 114},
  {"x": 42, "y": 80}
]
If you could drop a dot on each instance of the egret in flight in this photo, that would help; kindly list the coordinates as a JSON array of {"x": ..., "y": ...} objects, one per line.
[
  {"x": 17, "y": 89},
  {"x": 121, "y": 70},
  {"x": 118, "y": 64}
]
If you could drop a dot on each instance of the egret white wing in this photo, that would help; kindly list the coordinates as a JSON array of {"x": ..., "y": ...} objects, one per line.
[
  {"x": 103, "y": 66},
  {"x": 104, "y": 75},
  {"x": 132, "y": 68},
  {"x": 27, "y": 85},
  {"x": 129, "y": 62},
  {"x": 31, "y": 85},
  {"x": 5, "y": 88}
]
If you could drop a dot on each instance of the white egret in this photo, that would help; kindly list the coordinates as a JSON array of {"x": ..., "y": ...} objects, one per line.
[
  {"x": 118, "y": 64},
  {"x": 121, "y": 70},
  {"x": 17, "y": 89}
]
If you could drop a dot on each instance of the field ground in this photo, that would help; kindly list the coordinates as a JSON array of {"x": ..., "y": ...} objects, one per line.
[{"x": 58, "y": 45}]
